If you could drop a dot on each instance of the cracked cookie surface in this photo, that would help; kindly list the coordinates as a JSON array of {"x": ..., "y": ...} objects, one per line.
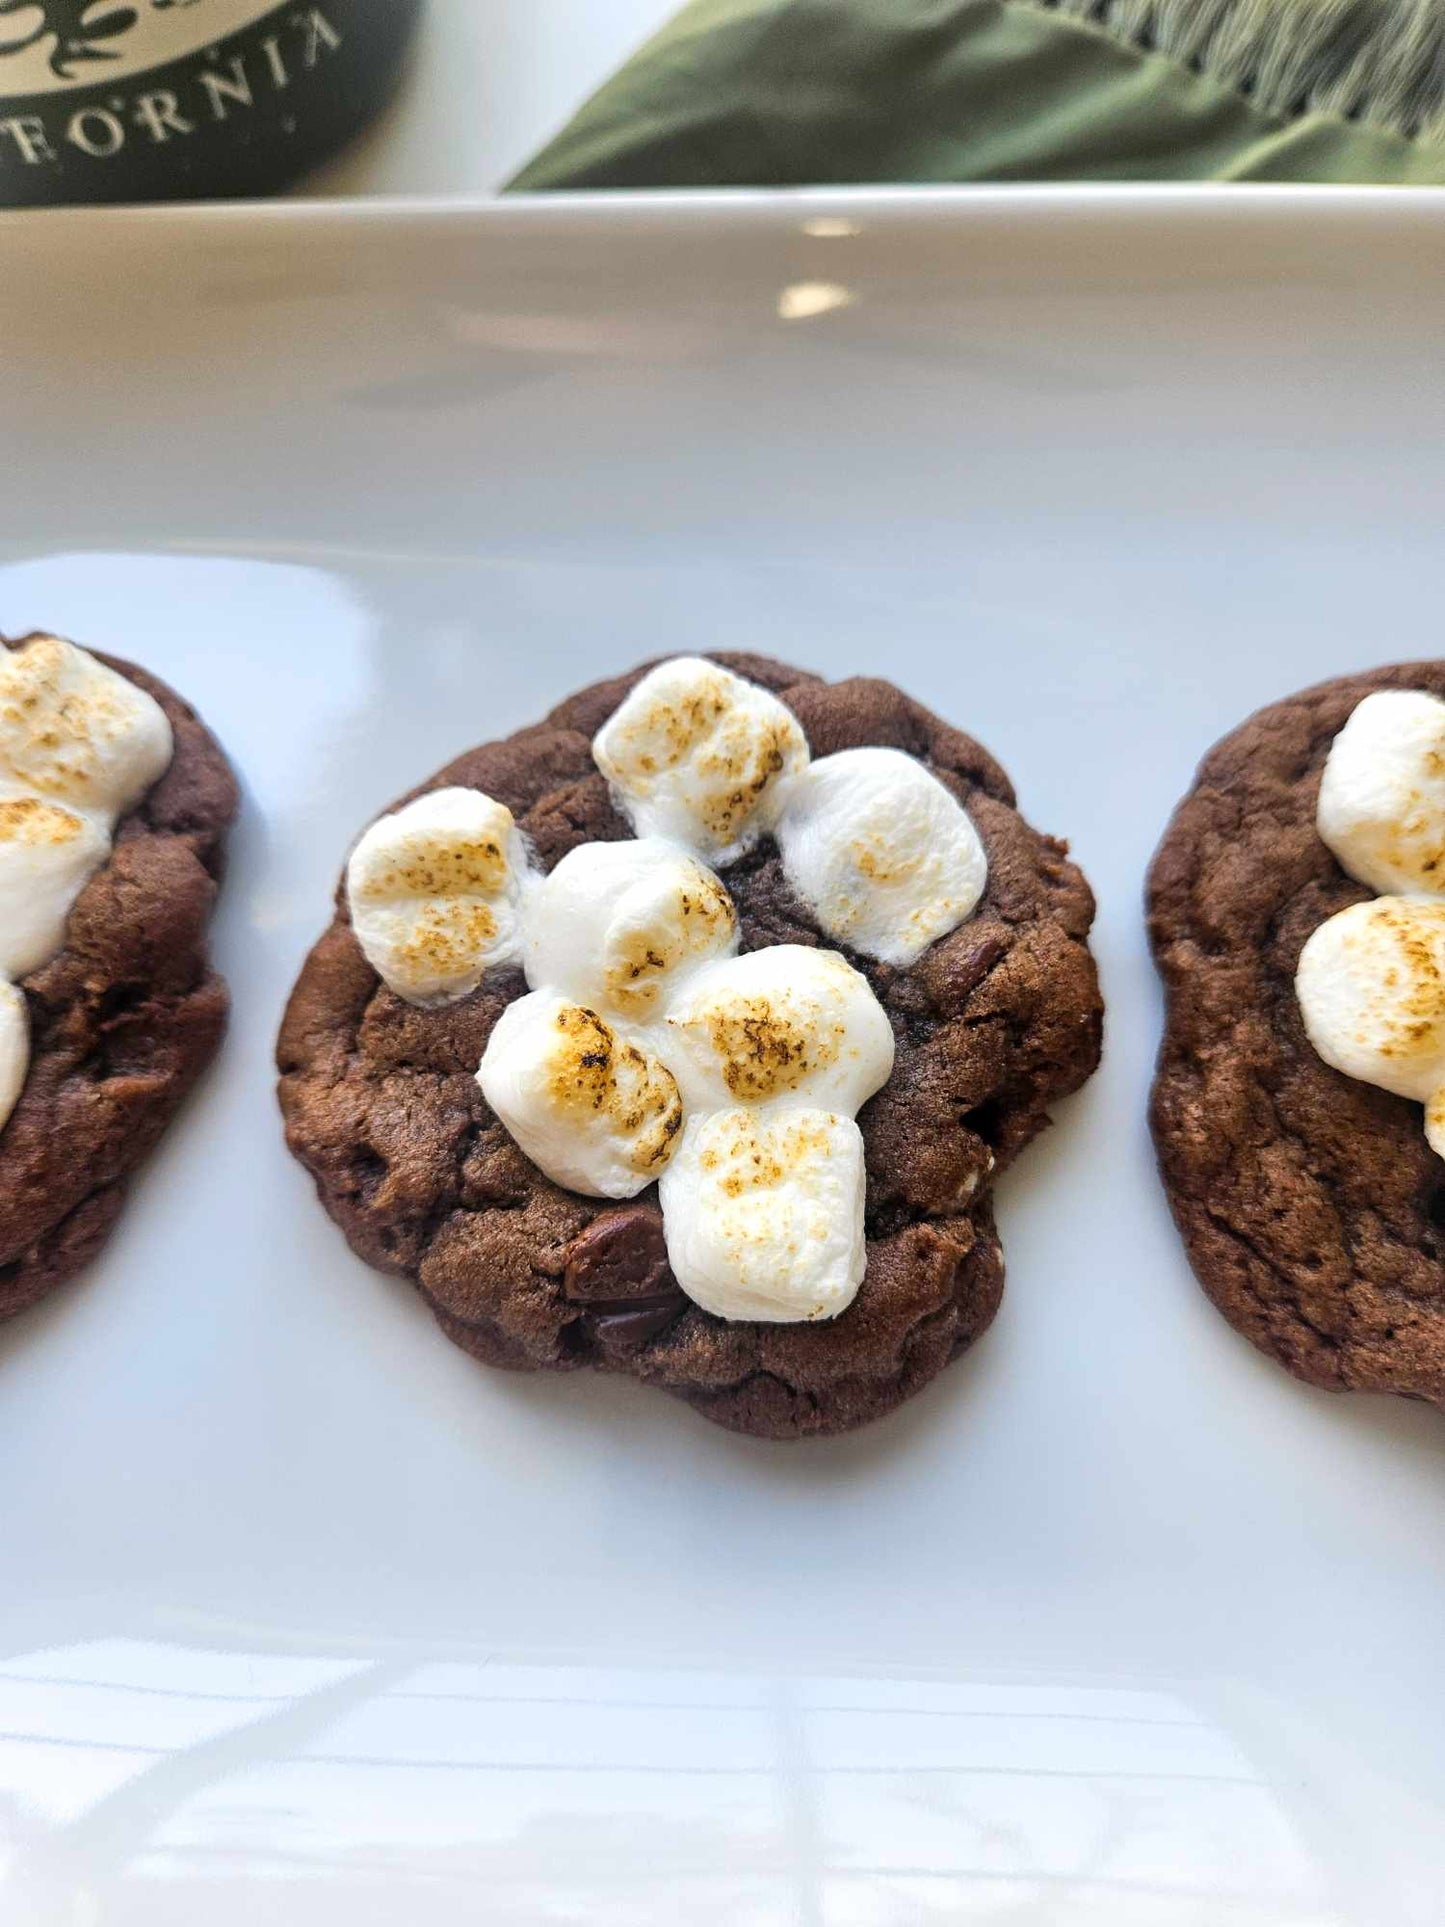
[
  {"x": 123, "y": 1020},
  {"x": 992, "y": 1024},
  {"x": 1311, "y": 1206}
]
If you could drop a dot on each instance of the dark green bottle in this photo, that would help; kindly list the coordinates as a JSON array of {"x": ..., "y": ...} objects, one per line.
[{"x": 146, "y": 100}]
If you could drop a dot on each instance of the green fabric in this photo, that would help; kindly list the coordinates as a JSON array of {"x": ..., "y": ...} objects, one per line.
[{"x": 774, "y": 93}]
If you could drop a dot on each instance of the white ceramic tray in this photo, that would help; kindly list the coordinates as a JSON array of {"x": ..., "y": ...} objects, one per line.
[{"x": 307, "y": 1619}]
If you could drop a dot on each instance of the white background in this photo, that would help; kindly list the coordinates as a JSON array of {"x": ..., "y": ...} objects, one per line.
[{"x": 307, "y": 1619}]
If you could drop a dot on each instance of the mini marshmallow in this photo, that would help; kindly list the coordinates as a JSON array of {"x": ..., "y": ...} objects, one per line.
[
  {"x": 699, "y": 755},
  {"x": 1382, "y": 794},
  {"x": 885, "y": 857},
  {"x": 14, "y": 1047},
  {"x": 75, "y": 731},
  {"x": 433, "y": 890},
  {"x": 785, "y": 1022},
  {"x": 617, "y": 923},
  {"x": 596, "y": 1110},
  {"x": 47, "y": 855},
  {"x": 1371, "y": 989},
  {"x": 763, "y": 1213}
]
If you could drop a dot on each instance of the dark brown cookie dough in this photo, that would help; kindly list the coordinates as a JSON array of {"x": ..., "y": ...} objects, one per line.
[
  {"x": 1311, "y": 1205},
  {"x": 122, "y": 1021},
  {"x": 992, "y": 1024}
]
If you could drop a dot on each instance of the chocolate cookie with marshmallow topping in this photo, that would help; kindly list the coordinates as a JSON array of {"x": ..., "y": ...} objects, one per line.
[
  {"x": 1297, "y": 914},
  {"x": 114, "y": 807},
  {"x": 780, "y": 982}
]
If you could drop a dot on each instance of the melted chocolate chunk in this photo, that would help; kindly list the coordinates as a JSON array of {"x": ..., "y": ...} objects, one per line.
[
  {"x": 621, "y": 1256},
  {"x": 626, "y": 1328}
]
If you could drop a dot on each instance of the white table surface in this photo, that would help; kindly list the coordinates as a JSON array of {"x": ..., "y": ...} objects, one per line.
[{"x": 491, "y": 81}]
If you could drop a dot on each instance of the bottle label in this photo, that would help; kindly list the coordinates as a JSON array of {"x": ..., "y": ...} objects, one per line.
[
  {"x": 49, "y": 45},
  {"x": 103, "y": 100}
]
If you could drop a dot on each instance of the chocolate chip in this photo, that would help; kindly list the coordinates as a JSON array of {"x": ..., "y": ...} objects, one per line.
[
  {"x": 618, "y": 1269},
  {"x": 624, "y": 1331},
  {"x": 974, "y": 965},
  {"x": 621, "y": 1257}
]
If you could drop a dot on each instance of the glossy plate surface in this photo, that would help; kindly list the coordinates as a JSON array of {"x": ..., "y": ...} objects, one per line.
[{"x": 305, "y": 1617}]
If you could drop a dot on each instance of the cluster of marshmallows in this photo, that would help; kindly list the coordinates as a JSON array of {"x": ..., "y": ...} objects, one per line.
[
  {"x": 647, "y": 1049},
  {"x": 79, "y": 746},
  {"x": 1371, "y": 980}
]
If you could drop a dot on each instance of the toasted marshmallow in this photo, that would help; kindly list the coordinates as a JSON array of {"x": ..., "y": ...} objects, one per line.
[
  {"x": 699, "y": 755},
  {"x": 597, "y": 1111},
  {"x": 1382, "y": 794},
  {"x": 882, "y": 854},
  {"x": 783, "y": 1023},
  {"x": 763, "y": 1213},
  {"x": 1371, "y": 989},
  {"x": 433, "y": 890},
  {"x": 618, "y": 923},
  {"x": 47, "y": 855},
  {"x": 14, "y": 1048},
  {"x": 75, "y": 731}
]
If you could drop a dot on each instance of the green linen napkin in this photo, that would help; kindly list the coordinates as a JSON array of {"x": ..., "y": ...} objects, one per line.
[{"x": 790, "y": 93}]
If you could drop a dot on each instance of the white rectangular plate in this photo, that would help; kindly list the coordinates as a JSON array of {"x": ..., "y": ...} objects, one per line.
[{"x": 305, "y": 1618}]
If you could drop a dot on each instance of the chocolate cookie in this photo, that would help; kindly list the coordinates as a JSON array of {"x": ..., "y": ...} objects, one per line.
[
  {"x": 990, "y": 1024},
  {"x": 124, "y": 1016},
  {"x": 1311, "y": 1205}
]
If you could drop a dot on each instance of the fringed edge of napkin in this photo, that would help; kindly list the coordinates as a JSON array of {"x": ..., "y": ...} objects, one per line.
[{"x": 1380, "y": 63}]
